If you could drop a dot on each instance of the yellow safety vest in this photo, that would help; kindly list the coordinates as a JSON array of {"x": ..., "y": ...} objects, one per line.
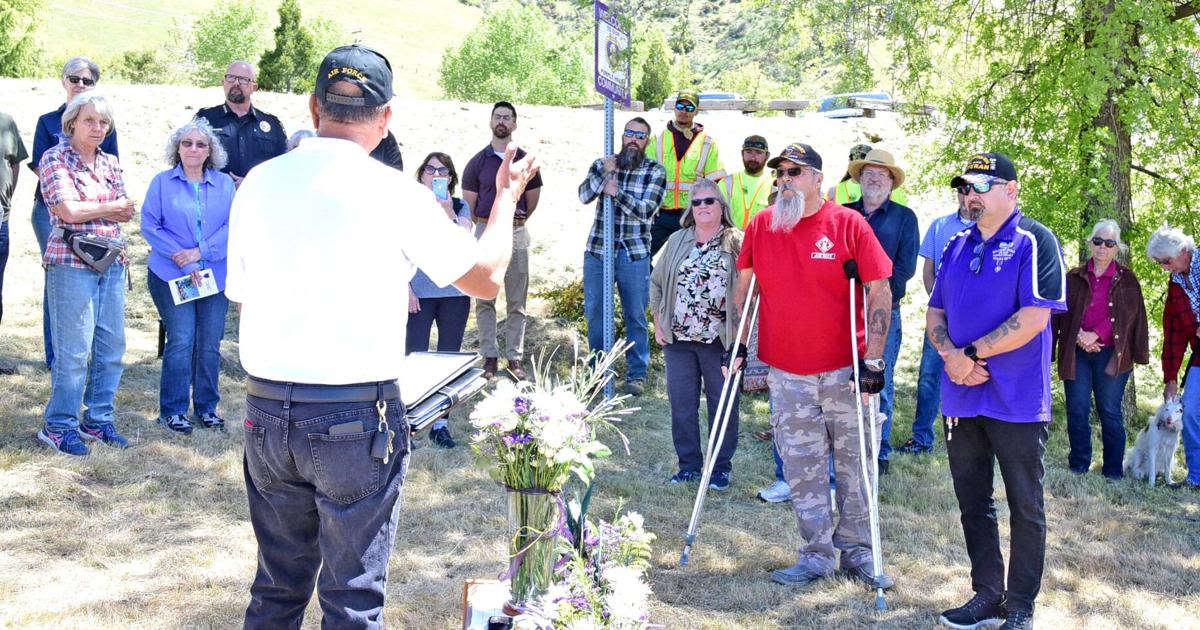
[
  {"x": 849, "y": 191},
  {"x": 747, "y": 195},
  {"x": 701, "y": 160}
]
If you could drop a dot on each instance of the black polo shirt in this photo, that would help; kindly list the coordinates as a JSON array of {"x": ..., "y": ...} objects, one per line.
[
  {"x": 480, "y": 177},
  {"x": 388, "y": 152},
  {"x": 249, "y": 140}
]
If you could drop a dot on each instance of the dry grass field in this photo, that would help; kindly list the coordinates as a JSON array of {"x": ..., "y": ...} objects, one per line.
[{"x": 158, "y": 536}]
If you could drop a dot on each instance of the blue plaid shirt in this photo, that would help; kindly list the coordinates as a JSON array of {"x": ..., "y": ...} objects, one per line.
[{"x": 639, "y": 194}]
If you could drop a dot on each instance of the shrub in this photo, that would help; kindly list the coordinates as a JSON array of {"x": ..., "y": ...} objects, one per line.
[
  {"x": 655, "y": 84},
  {"x": 288, "y": 66},
  {"x": 142, "y": 66},
  {"x": 19, "y": 52},
  {"x": 232, "y": 30}
]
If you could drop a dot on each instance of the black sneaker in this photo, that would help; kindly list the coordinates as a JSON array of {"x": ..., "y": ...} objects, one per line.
[
  {"x": 912, "y": 447},
  {"x": 883, "y": 467},
  {"x": 719, "y": 481},
  {"x": 1018, "y": 620},
  {"x": 979, "y": 612},
  {"x": 177, "y": 423},
  {"x": 441, "y": 437},
  {"x": 211, "y": 420},
  {"x": 685, "y": 476}
]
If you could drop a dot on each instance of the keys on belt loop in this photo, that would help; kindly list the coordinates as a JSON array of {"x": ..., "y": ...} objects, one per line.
[
  {"x": 950, "y": 424},
  {"x": 383, "y": 445}
]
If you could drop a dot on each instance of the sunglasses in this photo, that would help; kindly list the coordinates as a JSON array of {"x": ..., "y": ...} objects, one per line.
[
  {"x": 795, "y": 171},
  {"x": 982, "y": 189},
  {"x": 634, "y": 133},
  {"x": 233, "y": 78},
  {"x": 84, "y": 80},
  {"x": 977, "y": 262},
  {"x": 685, "y": 107},
  {"x": 199, "y": 144},
  {"x": 703, "y": 201},
  {"x": 1107, "y": 242},
  {"x": 754, "y": 146},
  {"x": 430, "y": 169},
  {"x": 1166, "y": 262}
]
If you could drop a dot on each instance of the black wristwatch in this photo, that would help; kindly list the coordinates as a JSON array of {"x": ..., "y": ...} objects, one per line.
[{"x": 971, "y": 352}]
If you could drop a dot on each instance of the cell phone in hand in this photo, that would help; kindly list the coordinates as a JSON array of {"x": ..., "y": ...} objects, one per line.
[{"x": 441, "y": 188}]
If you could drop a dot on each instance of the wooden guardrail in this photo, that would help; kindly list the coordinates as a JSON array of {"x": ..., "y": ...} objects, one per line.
[{"x": 791, "y": 107}]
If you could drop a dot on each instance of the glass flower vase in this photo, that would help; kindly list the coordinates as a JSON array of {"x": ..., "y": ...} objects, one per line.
[{"x": 535, "y": 518}]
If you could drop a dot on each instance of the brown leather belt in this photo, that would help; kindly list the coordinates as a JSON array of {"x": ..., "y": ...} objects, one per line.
[
  {"x": 517, "y": 221},
  {"x": 305, "y": 393}
]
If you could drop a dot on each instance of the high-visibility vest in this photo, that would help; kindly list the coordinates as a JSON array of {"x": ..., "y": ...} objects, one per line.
[
  {"x": 849, "y": 191},
  {"x": 700, "y": 160},
  {"x": 746, "y": 194}
]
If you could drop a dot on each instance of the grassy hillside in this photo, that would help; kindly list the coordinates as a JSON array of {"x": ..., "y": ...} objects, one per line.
[{"x": 412, "y": 33}]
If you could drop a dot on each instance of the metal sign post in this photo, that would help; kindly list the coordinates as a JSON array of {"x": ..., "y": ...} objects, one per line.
[{"x": 611, "y": 80}]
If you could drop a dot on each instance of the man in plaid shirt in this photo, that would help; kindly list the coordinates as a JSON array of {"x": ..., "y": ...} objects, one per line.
[{"x": 636, "y": 184}]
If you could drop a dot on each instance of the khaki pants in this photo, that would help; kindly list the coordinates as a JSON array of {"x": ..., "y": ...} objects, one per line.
[
  {"x": 814, "y": 416},
  {"x": 516, "y": 290}
]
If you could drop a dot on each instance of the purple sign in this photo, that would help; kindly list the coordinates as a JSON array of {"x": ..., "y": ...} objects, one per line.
[{"x": 612, "y": 55}]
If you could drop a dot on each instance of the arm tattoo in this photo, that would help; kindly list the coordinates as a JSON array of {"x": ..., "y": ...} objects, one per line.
[
  {"x": 1009, "y": 325},
  {"x": 880, "y": 319},
  {"x": 939, "y": 335}
]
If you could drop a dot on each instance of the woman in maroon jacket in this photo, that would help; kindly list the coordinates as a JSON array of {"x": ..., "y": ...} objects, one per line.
[{"x": 1100, "y": 336}]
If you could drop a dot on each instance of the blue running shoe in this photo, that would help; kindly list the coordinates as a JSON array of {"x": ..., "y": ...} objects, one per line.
[
  {"x": 719, "y": 481},
  {"x": 106, "y": 433},
  {"x": 66, "y": 442}
]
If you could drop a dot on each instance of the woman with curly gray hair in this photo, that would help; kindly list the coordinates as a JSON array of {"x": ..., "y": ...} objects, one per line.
[{"x": 185, "y": 218}]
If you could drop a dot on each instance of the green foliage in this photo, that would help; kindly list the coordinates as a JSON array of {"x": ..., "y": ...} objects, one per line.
[
  {"x": 229, "y": 32},
  {"x": 19, "y": 52},
  {"x": 288, "y": 67},
  {"x": 146, "y": 66},
  {"x": 749, "y": 80},
  {"x": 655, "y": 63},
  {"x": 515, "y": 54}
]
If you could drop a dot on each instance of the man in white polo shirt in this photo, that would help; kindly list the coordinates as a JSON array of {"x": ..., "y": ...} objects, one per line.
[{"x": 322, "y": 242}]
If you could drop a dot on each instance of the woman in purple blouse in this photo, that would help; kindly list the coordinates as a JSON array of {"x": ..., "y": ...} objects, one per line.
[{"x": 185, "y": 218}]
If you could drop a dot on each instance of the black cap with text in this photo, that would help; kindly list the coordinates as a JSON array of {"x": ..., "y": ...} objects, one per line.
[{"x": 361, "y": 66}]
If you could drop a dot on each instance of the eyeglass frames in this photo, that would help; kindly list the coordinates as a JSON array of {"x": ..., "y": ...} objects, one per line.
[
  {"x": 199, "y": 144},
  {"x": 233, "y": 78},
  {"x": 430, "y": 169},
  {"x": 703, "y": 201},
  {"x": 89, "y": 82},
  {"x": 794, "y": 171},
  {"x": 977, "y": 262},
  {"x": 685, "y": 107},
  {"x": 634, "y": 133},
  {"x": 1107, "y": 242},
  {"x": 981, "y": 188}
]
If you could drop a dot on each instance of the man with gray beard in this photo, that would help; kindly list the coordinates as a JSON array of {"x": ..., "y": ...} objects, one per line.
[
  {"x": 250, "y": 136},
  {"x": 636, "y": 185},
  {"x": 796, "y": 251}
]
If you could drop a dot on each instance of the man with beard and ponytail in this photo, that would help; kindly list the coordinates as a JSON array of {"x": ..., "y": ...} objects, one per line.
[
  {"x": 479, "y": 191},
  {"x": 895, "y": 226},
  {"x": 749, "y": 191},
  {"x": 250, "y": 136},
  {"x": 636, "y": 185},
  {"x": 797, "y": 250},
  {"x": 687, "y": 153}
]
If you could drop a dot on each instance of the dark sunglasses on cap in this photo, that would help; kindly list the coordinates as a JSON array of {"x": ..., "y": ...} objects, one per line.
[
  {"x": 982, "y": 188},
  {"x": 703, "y": 201},
  {"x": 430, "y": 169},
  {"x": 1107, "y": 242},
  {"x": 685, "y": 107},
  {"x": 84, "y": 80},
  {"x": 754, "y": 144},
  {"x": 794, "y": 171},
  {"x": 634, "y": 133}
]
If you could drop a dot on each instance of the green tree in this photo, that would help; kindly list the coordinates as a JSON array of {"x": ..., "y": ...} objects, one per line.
[
  {"x": 19, "y": 52},
  {"x": 655, "y": 84},
  {"x": 232, "y": 30},
  {"x": 146, "y": 66},
  {"x": 288, "y": 67},
  {"x": 516, "y": 54}
]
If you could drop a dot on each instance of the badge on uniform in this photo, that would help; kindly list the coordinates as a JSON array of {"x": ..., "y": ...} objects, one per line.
[{"x": 265, "y": 126}]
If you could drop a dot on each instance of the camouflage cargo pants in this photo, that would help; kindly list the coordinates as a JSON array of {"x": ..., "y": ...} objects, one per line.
[{"x": 813, "y": 416}]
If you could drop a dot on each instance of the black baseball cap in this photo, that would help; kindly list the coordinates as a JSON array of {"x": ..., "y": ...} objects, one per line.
[
  {"x": 799, "y": 153},
  {"x": 360, "y": 65},
  {"x": 990, "y": 166}
]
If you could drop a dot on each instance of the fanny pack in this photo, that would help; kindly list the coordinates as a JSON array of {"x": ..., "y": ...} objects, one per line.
[{"x": 97, "y": 252}]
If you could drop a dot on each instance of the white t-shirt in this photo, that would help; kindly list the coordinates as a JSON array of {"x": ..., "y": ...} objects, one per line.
[{"x": 322, "y": 243}]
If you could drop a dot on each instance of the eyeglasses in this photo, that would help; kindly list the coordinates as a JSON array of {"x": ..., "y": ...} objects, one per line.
[
  {"x": 982, "y": 189},
  {"x": 84, "y": 80},
  {"x": 503, "y": 117},
  {"x": 430, "y": 169},
  {"x": 703, "y": 201},
  {"x": 977, "y": 262},
  {"x": 199, "y": 144},
  {"x": 634, "y": 133},
  {"x": 1166, "y": 262},
  {"x": 233, "y": 78},
  {"x": 795, "y": 171},
  {"x": 685, "y": 107},
  {"x": 1107, "y": 242}
]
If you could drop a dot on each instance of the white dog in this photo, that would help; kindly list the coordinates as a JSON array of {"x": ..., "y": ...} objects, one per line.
[{"x": 1154, "y": 451}]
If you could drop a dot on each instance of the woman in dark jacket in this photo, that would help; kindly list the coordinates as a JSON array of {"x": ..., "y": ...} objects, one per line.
[{"x": 1100, "y": 336}]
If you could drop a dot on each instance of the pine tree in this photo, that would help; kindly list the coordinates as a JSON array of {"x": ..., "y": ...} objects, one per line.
[{"x": 288, "y": 67}]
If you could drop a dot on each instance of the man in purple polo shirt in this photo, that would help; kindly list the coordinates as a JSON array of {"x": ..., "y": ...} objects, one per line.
[
  {"x": 479, "y": 189},
  {"x": 989, "y": 317}
]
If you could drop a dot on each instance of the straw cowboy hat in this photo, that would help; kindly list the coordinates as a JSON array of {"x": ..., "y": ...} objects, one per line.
[{"x": 878, "y": 157}]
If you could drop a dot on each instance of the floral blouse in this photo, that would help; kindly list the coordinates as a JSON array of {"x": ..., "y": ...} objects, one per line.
[{"x": 701, "y": 293}]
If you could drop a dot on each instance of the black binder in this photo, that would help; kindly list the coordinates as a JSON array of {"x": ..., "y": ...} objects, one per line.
[{"x": 432, "y": 383}]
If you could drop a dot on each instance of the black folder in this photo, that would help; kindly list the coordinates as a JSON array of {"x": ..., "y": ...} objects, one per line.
[{"x": 432, "y": 383}]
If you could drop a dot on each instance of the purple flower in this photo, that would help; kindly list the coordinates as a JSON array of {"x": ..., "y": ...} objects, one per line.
[
  {"x": 511, "y": 440},
  {"x": 521, "y": 405}
]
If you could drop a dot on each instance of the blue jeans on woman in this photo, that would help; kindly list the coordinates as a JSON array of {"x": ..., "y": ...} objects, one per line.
[
  {"x": 688, "y": 364},
  {"x": 1191, "y": 425},
  {"x": 449, "y": 313},
  {"x": 87, "y": 319},
  {"x": 192, "y": 355},
  {"x": 633, "y": 285},
  {"x": 41, "y": 231},
  {"x": 1091, "y": 381}
]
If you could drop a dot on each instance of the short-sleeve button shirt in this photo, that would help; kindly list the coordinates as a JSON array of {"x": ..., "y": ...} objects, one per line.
[{"x": 249, "y": 140}]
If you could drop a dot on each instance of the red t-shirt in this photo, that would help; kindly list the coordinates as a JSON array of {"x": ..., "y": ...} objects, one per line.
[{"x": 804, "y": 319}]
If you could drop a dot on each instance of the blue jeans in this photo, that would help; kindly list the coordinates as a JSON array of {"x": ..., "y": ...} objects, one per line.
[
  {"x": 41, "y": 231},
  {"x": 633, "y": 285},
  {"x": 1090, "y": 380},
  {"x": 689, "y": 363},
  {"x": 323, "y": 510},
  {"x": 449, "y": 313},
  {"x": 192, "y": 355},
  {"x": 1191, "y": 425},
  {"x": 887, "y": 398},
  {"x": 87, "y": 317},
  {"x": 929, "y": 386},
  {"x": 3, "y": 262}
]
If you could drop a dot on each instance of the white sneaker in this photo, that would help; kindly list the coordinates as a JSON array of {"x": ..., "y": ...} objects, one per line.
[{"x": 778, "y": 492}]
